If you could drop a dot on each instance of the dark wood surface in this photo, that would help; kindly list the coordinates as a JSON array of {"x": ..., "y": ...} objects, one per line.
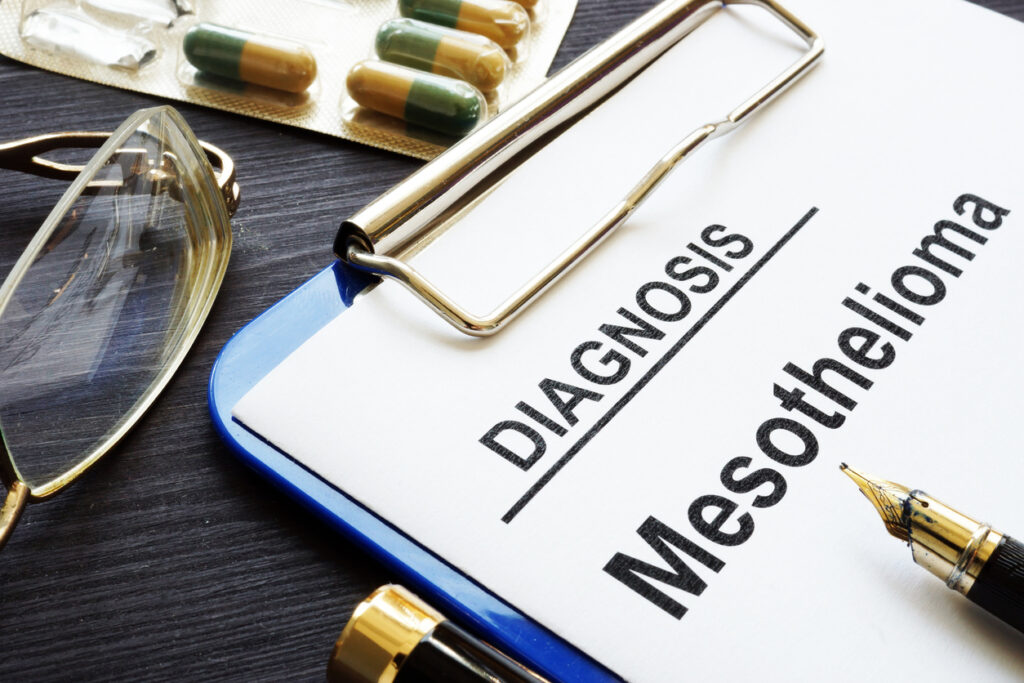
[{"x": 170, "y": 559}]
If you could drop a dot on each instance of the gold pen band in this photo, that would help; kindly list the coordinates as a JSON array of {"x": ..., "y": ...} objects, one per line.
[
  {"x": 382, "y": 632},
  {"x": 949, "y": 544}
]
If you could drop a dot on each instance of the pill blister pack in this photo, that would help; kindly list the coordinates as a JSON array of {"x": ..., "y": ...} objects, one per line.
[{"x": 324, "y": 65}]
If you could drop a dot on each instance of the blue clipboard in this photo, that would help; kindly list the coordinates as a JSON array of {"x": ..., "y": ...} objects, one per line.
[
  {"x": 374, "y": 239},
  {"x": 256, "y": 350}
]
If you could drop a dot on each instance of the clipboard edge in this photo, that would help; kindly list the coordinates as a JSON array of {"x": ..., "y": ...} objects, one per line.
[{"x": 258, "y": 348}]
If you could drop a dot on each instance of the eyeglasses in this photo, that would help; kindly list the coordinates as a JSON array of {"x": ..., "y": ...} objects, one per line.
[{"x": 101, "y": 308}]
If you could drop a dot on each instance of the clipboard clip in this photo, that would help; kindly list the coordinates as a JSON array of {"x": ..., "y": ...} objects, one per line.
[{"x": 404, "y": 219}]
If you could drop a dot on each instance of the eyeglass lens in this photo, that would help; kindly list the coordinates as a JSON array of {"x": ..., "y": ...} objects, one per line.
[{"x": 101, "y": 308}]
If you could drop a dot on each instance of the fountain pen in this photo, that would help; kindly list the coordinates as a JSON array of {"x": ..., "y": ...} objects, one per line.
[{"x": 972, "y": 558}]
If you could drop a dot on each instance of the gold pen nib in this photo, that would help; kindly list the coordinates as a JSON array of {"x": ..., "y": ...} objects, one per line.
[{"x": 887, "y": 497}]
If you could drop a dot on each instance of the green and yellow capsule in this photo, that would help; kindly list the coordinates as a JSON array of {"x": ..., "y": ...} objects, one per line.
[
  {"x": 243, "y": 56},
  {"x": 504, "y": 22},
  {"x": 439, "y": 103},
  {"x": 470, "y": 57}
]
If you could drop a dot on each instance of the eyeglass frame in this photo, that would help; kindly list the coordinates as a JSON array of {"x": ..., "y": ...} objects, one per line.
[{"x": 25, "y": 155}]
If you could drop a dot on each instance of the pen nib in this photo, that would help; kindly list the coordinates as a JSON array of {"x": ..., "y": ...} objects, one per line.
[{"x": 887, "y": 497}]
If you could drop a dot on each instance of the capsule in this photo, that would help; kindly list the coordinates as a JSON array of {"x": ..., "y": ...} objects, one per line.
[
  {"x": 243, "y": 56},
  {"x": 504, "y": 22},
  {"x": 457, "y": 54},
  {"x": 443, "y": 104}
]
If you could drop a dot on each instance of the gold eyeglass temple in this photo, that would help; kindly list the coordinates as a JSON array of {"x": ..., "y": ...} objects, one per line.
[{"x": 26, "y": 155}]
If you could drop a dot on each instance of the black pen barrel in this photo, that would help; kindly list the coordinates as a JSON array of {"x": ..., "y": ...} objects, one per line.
[
  {"x": 450, "y": 655},
  {"x": 999, "y": 587},
  {"x": 395, "y": 637}
]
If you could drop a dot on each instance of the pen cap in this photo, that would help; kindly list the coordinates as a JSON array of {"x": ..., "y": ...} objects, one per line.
[{"x": 382, "y": 632}]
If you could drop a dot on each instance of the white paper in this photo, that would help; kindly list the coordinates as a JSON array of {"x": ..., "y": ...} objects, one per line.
[{"x": 916, "y": 104}]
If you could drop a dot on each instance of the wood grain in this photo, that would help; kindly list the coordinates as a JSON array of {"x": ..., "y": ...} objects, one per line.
[{"x": 170, "y": 560}]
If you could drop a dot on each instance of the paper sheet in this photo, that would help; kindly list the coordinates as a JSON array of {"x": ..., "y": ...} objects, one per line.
[{"x": 739, "y": 287}]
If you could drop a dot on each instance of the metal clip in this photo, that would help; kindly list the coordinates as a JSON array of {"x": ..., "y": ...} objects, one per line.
[{"x": 376, "y": 238}]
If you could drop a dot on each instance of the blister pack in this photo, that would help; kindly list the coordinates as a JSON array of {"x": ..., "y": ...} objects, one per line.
[{"x": 410, "y": 76}]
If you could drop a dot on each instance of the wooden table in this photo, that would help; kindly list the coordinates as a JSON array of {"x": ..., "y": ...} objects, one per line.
[{"x": 170, "y": 559}]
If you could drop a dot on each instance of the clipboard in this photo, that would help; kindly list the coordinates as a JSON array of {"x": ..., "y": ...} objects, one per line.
[{"x": 375, "y": 243}]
